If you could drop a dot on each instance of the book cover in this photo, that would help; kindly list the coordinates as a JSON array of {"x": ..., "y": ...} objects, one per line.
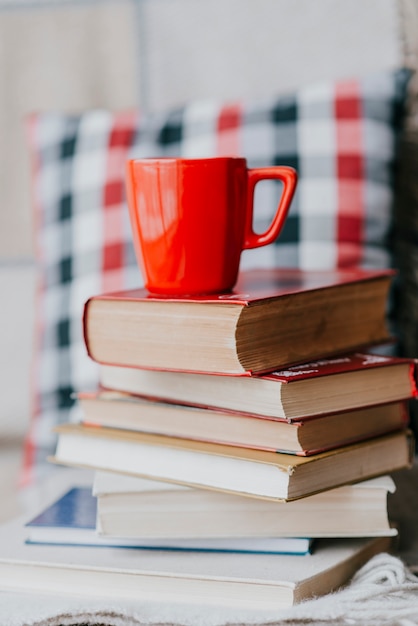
[
  {"x": 71, "y": 520},
  {"x": 357, "y": 361},
  {"x": 262, "y": 284}
]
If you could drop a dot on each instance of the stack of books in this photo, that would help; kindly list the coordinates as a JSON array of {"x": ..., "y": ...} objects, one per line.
[
  {"x": 248, "y": 428},
  {"x": 207, "y": 417}
]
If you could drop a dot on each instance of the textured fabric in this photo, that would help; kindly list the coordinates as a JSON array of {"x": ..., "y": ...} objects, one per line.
[{"x": 341, "y": 138}]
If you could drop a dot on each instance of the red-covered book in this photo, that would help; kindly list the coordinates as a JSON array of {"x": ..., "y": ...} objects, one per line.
[
  {"x": 111, "y": 409},
  {"x": 299, "y": 392},
  {"x": 272, "y": 319}
]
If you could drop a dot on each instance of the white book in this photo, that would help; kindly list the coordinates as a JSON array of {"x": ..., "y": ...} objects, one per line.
[
  {"x": 242, "y": 471},
  {"x": 71, "y": 520},
  {"x": 128, "y": 506},
  {"x": 245, "y": 581}
]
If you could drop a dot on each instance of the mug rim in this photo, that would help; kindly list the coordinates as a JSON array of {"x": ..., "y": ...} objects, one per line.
[{"x": 187, "y": 160}]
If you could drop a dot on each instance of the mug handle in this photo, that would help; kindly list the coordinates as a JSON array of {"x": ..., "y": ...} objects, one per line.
[{"x": 288, "y": 176}]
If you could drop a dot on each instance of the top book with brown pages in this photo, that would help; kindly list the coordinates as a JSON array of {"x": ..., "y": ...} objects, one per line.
[
  {"x": 272, "y": 319},
  {"x": 321, "y": 387}
]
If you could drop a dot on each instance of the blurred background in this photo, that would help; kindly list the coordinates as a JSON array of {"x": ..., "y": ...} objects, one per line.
[{"x": 72, "y": 56}]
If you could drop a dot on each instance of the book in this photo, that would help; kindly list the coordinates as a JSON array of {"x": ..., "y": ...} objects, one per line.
[
  {"x": 134, "y": 507},
  {"x": 239, "y": 581},
  {"x": 306, "y": 437},
  {"x": 324, "y": 386},
  {"x": 71, "y": 520},
  {"x": 272, "y": 319},
  {"x": 246, "y": 471}
]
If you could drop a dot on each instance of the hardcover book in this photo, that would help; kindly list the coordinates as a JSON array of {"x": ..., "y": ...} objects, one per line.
[
  {"x": 324, "y": 386},
  {"x": 135, "y": 507},
  {"x": 241, "y": 581},
  {"x": 232, "y": 469},
  {"x": 305, "y": 437},
  {"x": 272, "y": 319},
  {"x": 71, "y": 520}
]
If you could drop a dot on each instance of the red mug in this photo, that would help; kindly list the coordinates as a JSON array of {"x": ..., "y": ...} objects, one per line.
[{"x": 192, "y": 218}]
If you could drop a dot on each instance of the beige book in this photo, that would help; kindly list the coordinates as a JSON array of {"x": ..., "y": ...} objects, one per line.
[
  {"x": 244, "y": 471},
  {"x": 244, "y": 581},
  {"x": 134, "y": 507}
]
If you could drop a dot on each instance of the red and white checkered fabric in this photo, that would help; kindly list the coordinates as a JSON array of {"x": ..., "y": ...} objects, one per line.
[{"x": 340, "y": 137}]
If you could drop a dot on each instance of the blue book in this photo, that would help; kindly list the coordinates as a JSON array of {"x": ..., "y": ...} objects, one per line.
[{"x": 71, "y": 520}]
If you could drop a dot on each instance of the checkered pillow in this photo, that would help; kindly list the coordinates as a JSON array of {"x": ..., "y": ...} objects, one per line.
[{"x": 340, "y": 137}]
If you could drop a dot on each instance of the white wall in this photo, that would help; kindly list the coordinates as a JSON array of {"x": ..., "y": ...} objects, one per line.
[{"x": 251, "y": 48}]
